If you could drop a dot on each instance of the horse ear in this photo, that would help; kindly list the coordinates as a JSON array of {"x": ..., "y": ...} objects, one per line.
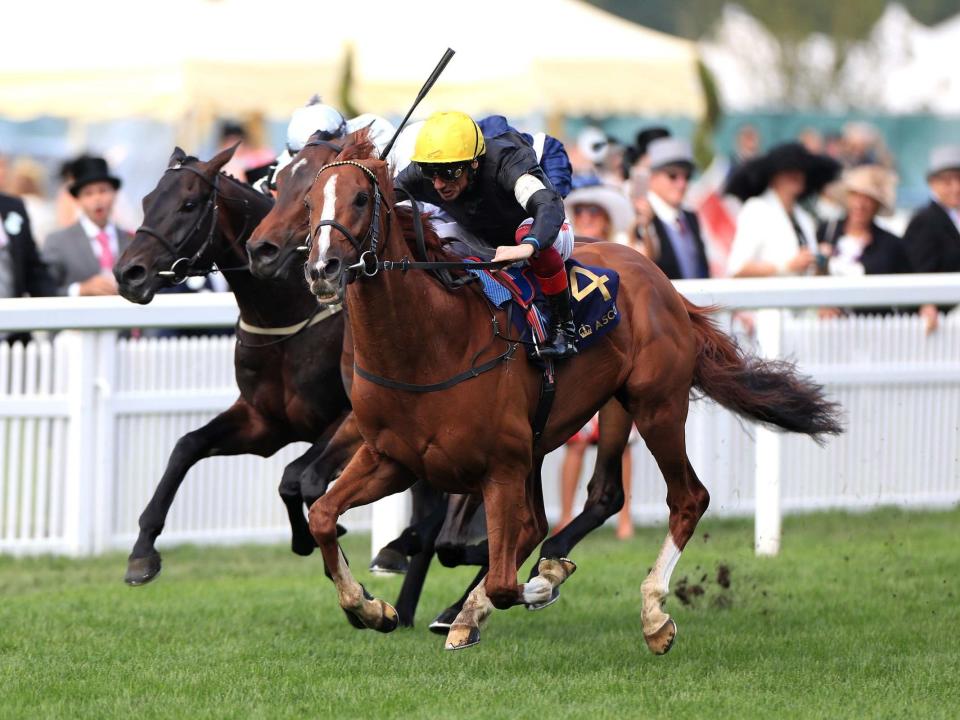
[
  {"x": 177, "y": 156},
  {"x": 216, "y": 163}
]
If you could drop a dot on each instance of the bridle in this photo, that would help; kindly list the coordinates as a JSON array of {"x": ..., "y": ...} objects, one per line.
[
  {"x": 183, "y": 267},
  {"x": 368, "y": 264}
]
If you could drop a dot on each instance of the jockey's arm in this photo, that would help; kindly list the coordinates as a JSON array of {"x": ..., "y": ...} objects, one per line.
[{"x": 522, "y": 175}]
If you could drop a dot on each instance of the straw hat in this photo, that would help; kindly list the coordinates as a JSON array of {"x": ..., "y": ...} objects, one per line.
[{"x": 875, "y": 182}]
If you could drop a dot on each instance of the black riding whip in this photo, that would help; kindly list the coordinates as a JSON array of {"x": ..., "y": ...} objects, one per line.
[{"x": 420, "y": 96}]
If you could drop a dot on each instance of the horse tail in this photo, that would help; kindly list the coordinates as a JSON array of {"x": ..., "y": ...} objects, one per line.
[{"x": 768, "y": 391}]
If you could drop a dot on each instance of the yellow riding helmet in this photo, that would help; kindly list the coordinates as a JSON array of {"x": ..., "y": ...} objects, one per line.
[{"x": 448, "y": 137}]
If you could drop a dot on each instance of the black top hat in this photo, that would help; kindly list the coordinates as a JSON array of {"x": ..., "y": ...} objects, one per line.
[
  {"x": 753, "y": 177},
  {"x": 87, "y": 169}
]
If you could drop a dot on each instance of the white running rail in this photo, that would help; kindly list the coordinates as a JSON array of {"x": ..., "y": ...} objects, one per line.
[{"x": 88, "y": 418}]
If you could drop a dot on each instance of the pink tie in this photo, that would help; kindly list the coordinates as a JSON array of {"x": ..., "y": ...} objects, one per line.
[{"x": 106, "y": 254}]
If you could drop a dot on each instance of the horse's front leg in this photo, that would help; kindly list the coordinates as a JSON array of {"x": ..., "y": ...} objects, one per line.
[
  {"x": 238, "y": 430},
  {"x": 368, "y": 477},
  {"x": 514, "y": 529},
  {"x": 338, "y": 451}
]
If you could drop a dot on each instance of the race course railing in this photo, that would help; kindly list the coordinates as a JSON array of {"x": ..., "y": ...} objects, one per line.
[{"x": 88, "y": 418}]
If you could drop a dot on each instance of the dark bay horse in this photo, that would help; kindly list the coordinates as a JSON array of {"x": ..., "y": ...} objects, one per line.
[
  {"x": 275, "y": 250},
  {"x": 288, "y": 350},
  {"x": 475, "y": 436}
]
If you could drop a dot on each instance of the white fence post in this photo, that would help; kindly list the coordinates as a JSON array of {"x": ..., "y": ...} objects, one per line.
[
  {"x": 104, "y": 479},
  {"x": 79, "y": 485},
  {"x": 388, "y": 518},
  {"x": 767, "y": 509}
]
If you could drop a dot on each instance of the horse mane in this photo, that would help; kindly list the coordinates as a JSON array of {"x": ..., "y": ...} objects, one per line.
[{"x": 360, "y": 147}]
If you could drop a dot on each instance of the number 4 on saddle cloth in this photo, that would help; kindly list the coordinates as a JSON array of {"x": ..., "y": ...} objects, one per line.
[{"x": 593, "y": 292}]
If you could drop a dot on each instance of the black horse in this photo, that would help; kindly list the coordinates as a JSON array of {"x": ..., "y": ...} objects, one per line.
[{"x": 288, "y": 350}]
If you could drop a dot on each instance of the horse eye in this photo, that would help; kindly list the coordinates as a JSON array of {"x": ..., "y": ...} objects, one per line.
[
  {"x": 187, "y": 206},
  {"x": 361, "y": 199}
]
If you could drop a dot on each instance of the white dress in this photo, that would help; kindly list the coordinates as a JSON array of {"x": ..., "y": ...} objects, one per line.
[{"x": 765, "y": 234}]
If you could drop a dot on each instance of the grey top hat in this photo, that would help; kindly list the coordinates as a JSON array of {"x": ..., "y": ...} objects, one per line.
[
  {"x": 669, "y": 151},
  {"x": 944, "y": 157}
]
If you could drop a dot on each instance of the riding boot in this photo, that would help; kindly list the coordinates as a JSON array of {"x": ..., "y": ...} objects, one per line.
[{"x": 561, "y": 340}]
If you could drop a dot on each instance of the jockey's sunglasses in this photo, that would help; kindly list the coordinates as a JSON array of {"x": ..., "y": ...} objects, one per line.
[{"x": 448, "y": 172}]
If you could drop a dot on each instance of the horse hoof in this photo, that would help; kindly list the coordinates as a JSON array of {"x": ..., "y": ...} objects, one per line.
[
  {"x": 462, "y": 636},
  {"x": 140, "y": 571},
  {"x": 554, "y": 596},
  {"x": 303, "y": 547},
  {"x": 389, "y": 562},
  {"x": 389, "y": 620},
  {"x": 354, "y": 620},
  {"x": 662, "y": 640},
  {"x": 442, "y": 622},
  {"x": 341, "y": 530}
]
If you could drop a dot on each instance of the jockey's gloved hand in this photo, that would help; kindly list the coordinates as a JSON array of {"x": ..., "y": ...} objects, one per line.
[{"x": 514, "y": 253}]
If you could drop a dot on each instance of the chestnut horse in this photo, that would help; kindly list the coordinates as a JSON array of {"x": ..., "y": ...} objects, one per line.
[
  {"x": 440, "y": 395},
  {"x": 287, "y": 356},
  {"x": 276, "y": 250}
]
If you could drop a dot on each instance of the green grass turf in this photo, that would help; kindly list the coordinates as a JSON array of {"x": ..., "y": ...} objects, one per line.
[{"x": 858, "y": 617}]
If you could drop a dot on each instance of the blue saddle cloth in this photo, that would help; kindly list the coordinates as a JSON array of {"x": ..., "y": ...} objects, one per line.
[{"x": 593, "y": 292}]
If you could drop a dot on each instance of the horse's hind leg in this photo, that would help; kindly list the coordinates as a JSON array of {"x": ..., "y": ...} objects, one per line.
[
  {"x": 301, "y": 540},
  {"x": 605, "y": 491},
  {"x": 687, "y": 499},
  {"x": 429, "y": 506},
  {"x": 429, "y": 510},
  {"x": 236, "y": 431}
]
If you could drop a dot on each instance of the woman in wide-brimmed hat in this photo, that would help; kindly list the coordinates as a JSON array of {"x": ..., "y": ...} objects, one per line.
[
  {"x": 775, "y": 236},
  {"x": 600, "y": 211},
  {"x": 855, "y": 244}
]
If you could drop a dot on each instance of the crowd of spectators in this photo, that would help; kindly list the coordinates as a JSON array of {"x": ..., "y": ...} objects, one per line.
[{"x": 819, "y": 205}]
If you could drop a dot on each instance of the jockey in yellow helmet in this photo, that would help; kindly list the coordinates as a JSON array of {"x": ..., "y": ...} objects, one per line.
[{"x": 494, "y": 188}]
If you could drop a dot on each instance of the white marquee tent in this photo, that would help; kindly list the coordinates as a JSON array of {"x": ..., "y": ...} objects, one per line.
[{"x": 117, "y": 58}]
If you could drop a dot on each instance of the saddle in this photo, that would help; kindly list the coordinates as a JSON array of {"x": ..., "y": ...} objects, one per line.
[{"x": 593, "y": 295}]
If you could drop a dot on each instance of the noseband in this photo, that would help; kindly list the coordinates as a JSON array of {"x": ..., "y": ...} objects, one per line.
[
  {"x": 184, "y": 267},
  {"x": 367, "y": 263}
]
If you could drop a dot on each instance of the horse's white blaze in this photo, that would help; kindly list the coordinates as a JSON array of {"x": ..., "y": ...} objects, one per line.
[
  {"x": 329, "y": 206},
  {"x": 297, "y": 165}
]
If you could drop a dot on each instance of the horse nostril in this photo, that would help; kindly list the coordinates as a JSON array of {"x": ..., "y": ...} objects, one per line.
[
  {"x": 134, "y": 275},
  {"x": 313, "y": 273},
  {"x": 331, "y": 269},
  {"x": 266, "y": 251}
]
